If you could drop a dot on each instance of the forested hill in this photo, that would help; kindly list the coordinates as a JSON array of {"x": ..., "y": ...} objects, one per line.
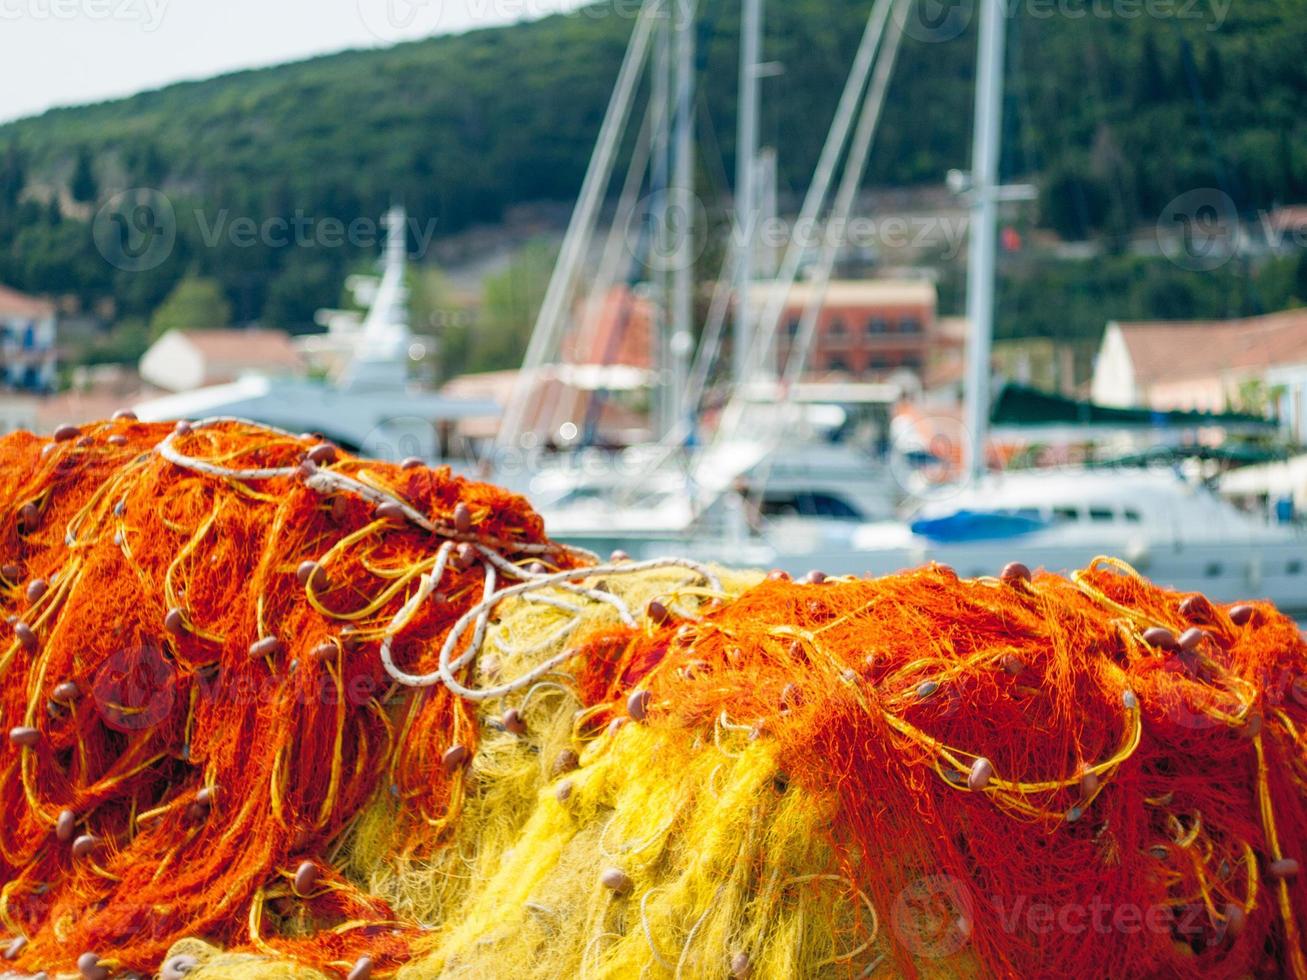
[{"x": 1111, "y": 109}]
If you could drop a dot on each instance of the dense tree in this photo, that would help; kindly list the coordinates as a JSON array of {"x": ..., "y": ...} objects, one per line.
[
  {"x": 82, "y": 185},
  {"x": 196, "y": 304},
  {"x": 1103, "y": 114},
  {"x": 305, "y": 285},
  {"x": 509, "y": 304},
  {"x": 13, "y": 177},
  {"x": 1149, "y": 81}
]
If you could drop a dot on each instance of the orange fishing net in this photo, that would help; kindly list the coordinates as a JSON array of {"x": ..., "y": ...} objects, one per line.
[
  {"x": 1094, "y": 777},
  {"x": 226, "y": 644},
  {"x": 196, "y": 712}
]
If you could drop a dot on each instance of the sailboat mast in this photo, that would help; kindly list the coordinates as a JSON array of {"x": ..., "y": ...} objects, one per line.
[
  {"x": 681, "y": 342},
  {"x": 660, "y": 95},
  {"x": 746, "y": 154},
  {"x": 983, "y": 232}
]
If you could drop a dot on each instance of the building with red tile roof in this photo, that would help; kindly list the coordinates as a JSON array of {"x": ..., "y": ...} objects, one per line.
[
  {"x": 1209, "y": 365},
  {"x": 182, "y": 360},
  {"x": 1194, "y": 363}
]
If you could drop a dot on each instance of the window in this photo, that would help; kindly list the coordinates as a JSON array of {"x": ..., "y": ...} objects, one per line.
[
  {"x": 909, "y": 324},
  {"x": 1100, "y": 514},
  {"x": 814, "y": 504},
  {"x": 1294, "y": 567},
  {"x": 1212, "y": 569},
  {"x": 837, "y": 364},
  {"x": 878, "y": 362},
  {"x": 1065, "y": 514},
  {"x": 792, "y": 328},
  {"x": 877, "y": 324},
  {"x": 912, "y": 361},
  {"x": 836, "y": 327},
  {"x": 1132, "y": 516}
]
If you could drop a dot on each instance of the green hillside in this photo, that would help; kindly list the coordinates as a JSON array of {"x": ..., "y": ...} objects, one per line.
[{"x": 1111, "y": 115}]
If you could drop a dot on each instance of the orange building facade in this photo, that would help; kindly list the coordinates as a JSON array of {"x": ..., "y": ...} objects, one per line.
[{"x": 866, "y": 329}]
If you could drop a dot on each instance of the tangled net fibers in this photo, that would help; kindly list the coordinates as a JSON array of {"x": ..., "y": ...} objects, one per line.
[{"x": 277, "y": 713}]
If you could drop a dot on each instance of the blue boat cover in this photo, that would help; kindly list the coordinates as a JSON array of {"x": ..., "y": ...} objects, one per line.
[{"x": 976, "y": 525}]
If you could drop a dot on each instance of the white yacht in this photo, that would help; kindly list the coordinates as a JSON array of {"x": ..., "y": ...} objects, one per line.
[
  {"x": 1177, "y": 533},
  {"x": 824, "y": 469},
  {"x": 802, "y": 486}
]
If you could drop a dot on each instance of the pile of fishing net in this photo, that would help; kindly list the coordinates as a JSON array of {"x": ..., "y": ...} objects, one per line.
[{"x": 277, "y": 712}]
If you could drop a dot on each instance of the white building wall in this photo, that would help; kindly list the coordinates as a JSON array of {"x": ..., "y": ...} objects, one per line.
[
  {"x": 1211, "y": 394},
  {"x": 173, "y": 363},
  {"x": 1114, "y": 374}
]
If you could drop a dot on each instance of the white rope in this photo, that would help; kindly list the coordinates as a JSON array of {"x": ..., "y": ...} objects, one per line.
[
  {"x": 448, "y": 665},
  {"x": 526, "y": 582},
  {"x": 166, "y": 450}
]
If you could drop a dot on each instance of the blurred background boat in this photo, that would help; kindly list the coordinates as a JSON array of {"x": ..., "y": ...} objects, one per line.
[
  {"x": 366, "y": 400},
  {"x": 721, "y": 365},
  {"x": 771, "y": 488}
]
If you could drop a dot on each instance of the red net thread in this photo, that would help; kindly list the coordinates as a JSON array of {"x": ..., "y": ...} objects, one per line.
[
  {"x": 1131, "y": 798},
  {"x": 1019, "y": 771},
  {"x": 153, "y": 583}
]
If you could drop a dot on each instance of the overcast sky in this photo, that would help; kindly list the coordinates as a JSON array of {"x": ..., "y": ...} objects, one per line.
[{"x": 68, "y": 52}]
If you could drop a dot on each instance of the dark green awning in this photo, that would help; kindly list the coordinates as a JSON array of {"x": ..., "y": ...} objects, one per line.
[
  {"x": 1241, "y": 453},
  {"x": 1018, "y": 406}
]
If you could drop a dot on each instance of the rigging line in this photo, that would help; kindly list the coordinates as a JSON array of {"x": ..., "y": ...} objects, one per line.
[
  {"x": 761, "y": 343},
  {"x": 544, "y": 337},
  {"x": 855, "y": 169},
  {"x": 594, "y": 309}
]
